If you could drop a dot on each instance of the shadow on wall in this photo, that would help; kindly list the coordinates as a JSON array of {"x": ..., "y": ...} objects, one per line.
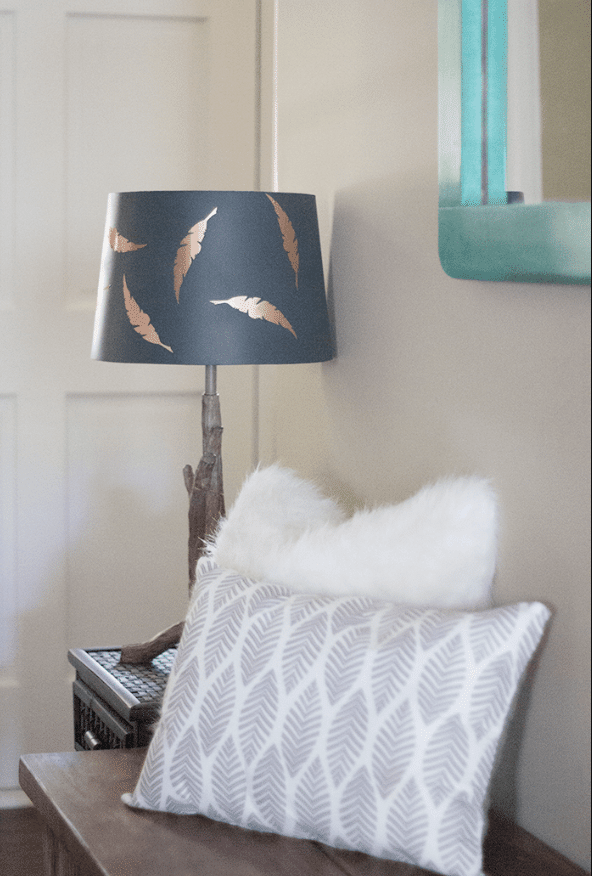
[
  {"x": 397, "y": 330},
  {"x": 503, "y": 790}
]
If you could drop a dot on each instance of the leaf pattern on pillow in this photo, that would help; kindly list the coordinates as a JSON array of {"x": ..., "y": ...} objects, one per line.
[
  {"x": 393, "y": 749},
  {"x": 316, "y": 717},
  {"x": 265, "y": 598},
  {"x": 460, "y": 835},
  {"x": 192, "y": 631},
  {"x": 303, "y": 606},
  {"x": 407, "y": 822},
  {"x": 178, "y": 706},
  {"x": 442, "y": 681},
  {"x": 312, "y": 802},
  {"x": 345, "y": 662},
  {"x": 223, "y": 634},
  {"x": 347, "y": 736},
  {"x": 301, "y": 729},
  {"x": 357, "y": 611},
  {"x": 395, "y": 620},
  {"x": 445, "y": 759},
  {"x": 186, "y": 771},
  {"x": 207, "y": 575},
  {"x": 269, "y": 789},
  {"x": 358, "y": 811},
  {"x": 177, "y": 807},
  {"x": 303, "y": 648},
  {"x": 486, "y": 637},
  {"x": 232, "y": 586},
  {"x": 480, "y": 778},
  {"x": 432, "y": 630},
  {"x": 229, "y": 785},
  {"x": 257, "y": 716},
  {"x": 398, "y": 854},
  {"x": 216, "y": 709},
  {"x": 151, "y": 781},
  {"x": 393, "y": 668},
  {"x": 259, "y": 644},
  {"x": 490, "y": 692}
]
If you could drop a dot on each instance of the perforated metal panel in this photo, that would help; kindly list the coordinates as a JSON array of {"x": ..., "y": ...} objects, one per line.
[
  {"x": 145, "y": 682},
  {"x": 116, "y": 705}
]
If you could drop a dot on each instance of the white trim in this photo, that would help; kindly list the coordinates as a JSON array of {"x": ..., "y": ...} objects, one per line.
[
  {"x": 268, "y": 95},
  {"x": 524, "y": 162},
  {"x": 275, "y": 170}
]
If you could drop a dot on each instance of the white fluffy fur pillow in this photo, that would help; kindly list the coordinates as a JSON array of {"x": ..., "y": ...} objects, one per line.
[{"x": 436, "y": 549}]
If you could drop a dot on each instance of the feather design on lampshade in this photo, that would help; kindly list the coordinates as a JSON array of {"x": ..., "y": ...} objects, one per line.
[
  {"x": 183, "y": 252},
  {"x": 189, "y": 248},
  {"x": 119, "y": 243},
  {"x": 288, "y": 236},
  {"x": 140, "y": 320},
  {"x": 258, "y": 309}
]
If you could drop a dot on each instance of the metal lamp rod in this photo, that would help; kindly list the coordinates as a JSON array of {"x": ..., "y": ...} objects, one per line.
[{"x": 211, "y": 375}]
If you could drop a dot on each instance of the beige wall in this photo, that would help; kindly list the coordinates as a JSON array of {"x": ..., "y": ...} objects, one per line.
[
  {"x": 565, "y": 98},
  {"x": 435, "y": 375}
]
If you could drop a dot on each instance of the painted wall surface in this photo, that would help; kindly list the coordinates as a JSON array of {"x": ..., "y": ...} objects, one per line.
[
  {"x": 565, "y": 98},
  {"x": 438, "y": 376}
]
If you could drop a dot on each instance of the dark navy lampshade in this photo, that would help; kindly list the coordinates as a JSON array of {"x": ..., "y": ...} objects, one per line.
[{"x": 212, "y": 278}]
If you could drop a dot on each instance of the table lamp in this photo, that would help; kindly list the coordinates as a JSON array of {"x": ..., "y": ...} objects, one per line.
[{"x": 210, "y": 278}]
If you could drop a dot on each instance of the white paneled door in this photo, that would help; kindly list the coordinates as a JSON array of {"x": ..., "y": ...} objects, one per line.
[{"x": 99, "y": 96}]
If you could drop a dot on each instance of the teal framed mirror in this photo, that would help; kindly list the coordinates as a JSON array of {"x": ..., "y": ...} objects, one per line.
[{"x": 482, "y": 234}]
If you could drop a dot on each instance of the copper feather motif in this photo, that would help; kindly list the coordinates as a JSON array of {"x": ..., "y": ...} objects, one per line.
[
  {"x": 258, "y": 309},
  {"x": 119, "y": 243},
  {"x": 189, "y": 248},
  {"x": 289, "y": 237},
  {"x": 140, "y": 320}
]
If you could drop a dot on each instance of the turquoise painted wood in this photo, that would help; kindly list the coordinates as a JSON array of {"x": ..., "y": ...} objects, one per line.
[
  {"x": 536, "y": 243},
  {"x": 471, "y": 104},
  {"x": 497, "y": 100}
]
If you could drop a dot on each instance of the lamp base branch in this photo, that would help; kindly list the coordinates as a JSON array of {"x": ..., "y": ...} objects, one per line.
[{"x": 206, "y": 507}]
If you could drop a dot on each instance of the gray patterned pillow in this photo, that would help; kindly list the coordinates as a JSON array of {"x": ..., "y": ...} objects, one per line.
[{"x": 358, "y": 723}]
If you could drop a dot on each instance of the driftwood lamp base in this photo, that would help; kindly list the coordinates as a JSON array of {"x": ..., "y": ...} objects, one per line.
[{"x": 206, "y": 507}]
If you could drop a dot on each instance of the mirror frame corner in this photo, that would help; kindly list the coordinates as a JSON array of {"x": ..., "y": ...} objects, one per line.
[{"x": 480, "y": 235}]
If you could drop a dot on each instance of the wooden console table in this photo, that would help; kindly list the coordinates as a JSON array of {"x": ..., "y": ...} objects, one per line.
[{"x": 90, "y": 832}]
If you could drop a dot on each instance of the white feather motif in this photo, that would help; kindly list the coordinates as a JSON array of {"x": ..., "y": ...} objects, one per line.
[{"x": 257, "y": 309}]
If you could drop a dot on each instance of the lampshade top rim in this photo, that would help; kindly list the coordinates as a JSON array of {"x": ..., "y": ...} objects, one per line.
[{"x": 211, "y": 192}]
